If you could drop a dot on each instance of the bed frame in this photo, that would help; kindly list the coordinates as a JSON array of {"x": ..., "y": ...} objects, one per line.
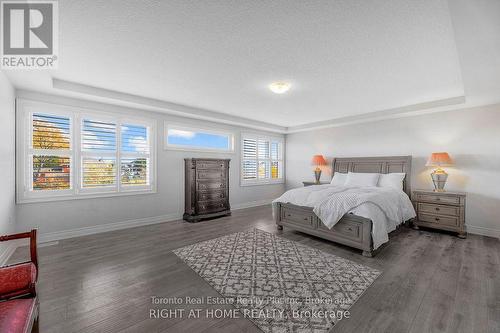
[{"x": 351, "y": 230}]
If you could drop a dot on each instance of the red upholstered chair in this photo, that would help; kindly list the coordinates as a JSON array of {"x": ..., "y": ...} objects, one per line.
[{"x": 18, "y": 300}]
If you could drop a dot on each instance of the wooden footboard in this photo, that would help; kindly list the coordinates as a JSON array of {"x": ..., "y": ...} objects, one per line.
[{"x": 351, "y": 230}]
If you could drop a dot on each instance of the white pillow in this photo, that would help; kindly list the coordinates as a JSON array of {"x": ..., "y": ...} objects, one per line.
[
  {"x": 392, "y": 180},
  {"x": 361, "y": 179},
  {"x": 339, "y": 179}
]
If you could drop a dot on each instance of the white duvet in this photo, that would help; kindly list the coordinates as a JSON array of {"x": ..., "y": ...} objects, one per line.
[{"x": 386, "y": 207}]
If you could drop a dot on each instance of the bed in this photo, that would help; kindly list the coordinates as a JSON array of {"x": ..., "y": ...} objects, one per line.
[{"x": 351, "y": 230}]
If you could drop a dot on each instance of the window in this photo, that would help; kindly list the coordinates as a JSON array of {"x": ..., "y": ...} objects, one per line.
[
  {"x": 189, "y": 138},
  {"x": 262, "y": 160},
  {"x": 68, "y": 153},
  {"x": 98, "y": 154},
  {"x": 135, "y": 156},
  {"x": 49, "y": 153}
]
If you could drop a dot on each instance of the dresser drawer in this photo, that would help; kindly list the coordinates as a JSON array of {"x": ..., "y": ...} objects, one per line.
[
  {"x": 345, "y": 229},
  {"x": 211, "y": 174},
  {"x": 210, "y": 185},
  {"x": 214, "y": 195},
  {"x": 439, "y": 219},
  {"x": 438, "y": 209},
  {"x": 210, "y": 165},
  {"x": 297, "y": 217},
  {"x": 439, "y": 199},
  {"x": 211, "y": 206}
]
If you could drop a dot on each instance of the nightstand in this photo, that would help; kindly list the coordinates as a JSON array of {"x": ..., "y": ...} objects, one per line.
[
  {"x": 440, "y": 210},
  {"x": 314, "y": 183}
]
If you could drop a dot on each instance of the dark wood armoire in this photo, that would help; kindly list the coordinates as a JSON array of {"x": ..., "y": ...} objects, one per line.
[{"x": 206, "y": 188}]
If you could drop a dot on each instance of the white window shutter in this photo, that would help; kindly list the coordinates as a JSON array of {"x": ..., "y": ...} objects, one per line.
[
  {"x": 249, "y": 167},
  {"x": 49, "y": 158},
  {"x": 135, "y": 155}
]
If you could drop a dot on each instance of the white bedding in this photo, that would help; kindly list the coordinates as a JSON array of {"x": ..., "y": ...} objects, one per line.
[{"x": 386, "y": 207}]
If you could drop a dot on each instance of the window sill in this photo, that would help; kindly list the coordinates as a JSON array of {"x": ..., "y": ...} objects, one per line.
[
  {"x": 82, "y": 196},
  {"x": 276, "y": 182}
]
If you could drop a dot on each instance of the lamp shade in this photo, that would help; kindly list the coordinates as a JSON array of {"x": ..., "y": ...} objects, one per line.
[
  {"x": 439, "y": 160},
  {"x": 318, "y": 160}
]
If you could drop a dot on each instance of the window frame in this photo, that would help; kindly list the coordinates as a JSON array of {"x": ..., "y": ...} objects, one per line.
[
  {"x": 29, "y": 152},
  {"x": 83, "y": 154},
  {"x": 185, "y": 127},
  {"x": 151, "y": 137},
  {"x": 281, "y": 159},
  {"x": 24, "y": 110}
]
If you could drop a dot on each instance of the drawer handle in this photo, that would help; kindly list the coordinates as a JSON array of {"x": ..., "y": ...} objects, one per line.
[
  {"x": 288, "y": 215},
  {"x": 350, "y": 229},
  {"x": 438, "y": 199},
  {"x": 437, "y": 218},
  {"x": 437, "y": 208},
  {"x": 306, "y": 219},
  {"x": 221, "y": 185}
]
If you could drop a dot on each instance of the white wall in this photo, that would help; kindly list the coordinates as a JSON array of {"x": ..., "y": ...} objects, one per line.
[
  {"x": 62, "y": 219},
  {"x": 471, "y": 136},
  {"x": 7, "y": 157}
]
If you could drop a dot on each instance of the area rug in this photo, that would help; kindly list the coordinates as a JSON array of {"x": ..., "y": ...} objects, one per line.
[{"x": 281, "y": 285}]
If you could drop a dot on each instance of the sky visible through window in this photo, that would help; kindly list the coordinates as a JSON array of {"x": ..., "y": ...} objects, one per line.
[
  {"x": 102, "y": 136},
  {"x": 134, "y": 138},
  {"x": 198, "y": 139}
]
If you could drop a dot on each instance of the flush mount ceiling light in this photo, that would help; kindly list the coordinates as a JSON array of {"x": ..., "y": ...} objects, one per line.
[{"x": 279, "y": 87}]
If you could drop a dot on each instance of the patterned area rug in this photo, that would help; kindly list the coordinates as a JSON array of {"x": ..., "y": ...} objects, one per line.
[{"x": 280, "y": 285}]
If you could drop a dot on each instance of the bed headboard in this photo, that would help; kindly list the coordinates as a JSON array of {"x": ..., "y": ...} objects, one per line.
[{"x": 383, "y": 164}]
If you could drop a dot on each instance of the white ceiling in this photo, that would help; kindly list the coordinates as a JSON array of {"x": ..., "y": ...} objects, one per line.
[{"x": 343, "y": 58}]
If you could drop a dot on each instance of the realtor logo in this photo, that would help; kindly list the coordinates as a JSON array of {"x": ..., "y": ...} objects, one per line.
[{"x": 29, "y": 34}]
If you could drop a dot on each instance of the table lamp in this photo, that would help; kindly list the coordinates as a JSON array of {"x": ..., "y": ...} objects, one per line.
[
  {"x": 439, "y": 176},
  {"x": 318, "y": 160}
]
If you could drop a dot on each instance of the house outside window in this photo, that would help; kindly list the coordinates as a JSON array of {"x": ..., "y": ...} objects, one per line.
[{"x": 72, "y": 153}]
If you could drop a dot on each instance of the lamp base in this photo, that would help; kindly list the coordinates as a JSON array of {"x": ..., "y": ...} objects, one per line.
[
  {"x": 317, "y": 175},
  {"x": 439, "y": 177}
]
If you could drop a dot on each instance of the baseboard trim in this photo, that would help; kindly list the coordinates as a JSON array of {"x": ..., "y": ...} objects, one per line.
[
  {"x": 51, "y": 237},
  {"x": 483, "y": 231},
  {"x": 251, "y": 204},
  {"x": 8, "y": 250},
  {"x": 78, "y": 232}
]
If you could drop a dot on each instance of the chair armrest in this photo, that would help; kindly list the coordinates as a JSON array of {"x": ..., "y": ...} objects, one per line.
[
  {"x": 17, "y": 236},
  {"x": 32, "y": 236}
]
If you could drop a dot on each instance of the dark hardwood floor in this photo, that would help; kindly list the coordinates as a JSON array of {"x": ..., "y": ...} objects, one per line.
[{"x": 431, "y": 282}]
